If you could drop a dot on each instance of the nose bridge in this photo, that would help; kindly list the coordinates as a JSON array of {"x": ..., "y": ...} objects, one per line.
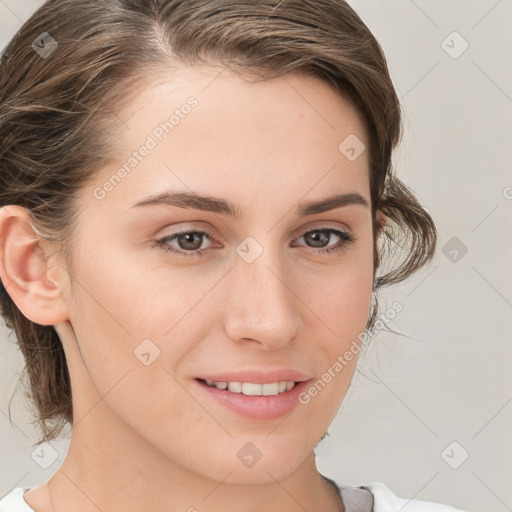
[{"x": 262, "y": 306}]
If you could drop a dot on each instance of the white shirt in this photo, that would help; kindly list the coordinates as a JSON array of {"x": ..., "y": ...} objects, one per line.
[{"x": 384, "y": 500}]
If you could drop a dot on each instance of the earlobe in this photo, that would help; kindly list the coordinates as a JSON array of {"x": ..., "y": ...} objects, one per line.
[{"x": 25, "y": 271}]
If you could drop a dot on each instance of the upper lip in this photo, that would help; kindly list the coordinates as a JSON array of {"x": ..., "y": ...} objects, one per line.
[{"x": 257, "y": 376}]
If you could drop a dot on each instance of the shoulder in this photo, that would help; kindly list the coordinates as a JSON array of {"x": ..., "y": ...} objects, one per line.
[
  {"x": 14, "y": 502},
  {"x": 385, "y": 500}
]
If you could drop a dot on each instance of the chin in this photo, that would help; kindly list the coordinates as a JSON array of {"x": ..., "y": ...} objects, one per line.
[{"x": 260, "y": 461}]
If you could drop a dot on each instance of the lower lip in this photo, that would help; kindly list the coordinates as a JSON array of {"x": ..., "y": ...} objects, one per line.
[{"x": 257, "y": 407}]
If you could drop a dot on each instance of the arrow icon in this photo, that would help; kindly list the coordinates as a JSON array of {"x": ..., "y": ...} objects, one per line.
[
  {"x": 44, "y": 45},
  {"x": 454, "y": 455},
  {"x": 147, "y": 352},
  {"x": 454, "y": 249},
  {"x": 249, "y": 253},
  {"x": 45, "y": 455},
  {"x": 351, "y": 147},
  {"x": 249, "y": 455},
  {"x": 454, "y": 45}
]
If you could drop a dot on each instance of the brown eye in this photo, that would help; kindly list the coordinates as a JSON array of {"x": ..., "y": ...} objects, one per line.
[
  {"x": 191, "y": 241},
  {"x": 187, "y": 243},
  {"x": 320, "y": 238}
]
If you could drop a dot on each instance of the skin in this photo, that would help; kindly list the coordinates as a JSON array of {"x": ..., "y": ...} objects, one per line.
[{"x": 149, "y": 431}]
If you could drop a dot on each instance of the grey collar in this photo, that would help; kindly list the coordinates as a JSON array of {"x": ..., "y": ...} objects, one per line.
[{"x": 357, "y": 499}]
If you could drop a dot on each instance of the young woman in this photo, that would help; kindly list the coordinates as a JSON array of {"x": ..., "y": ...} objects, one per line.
[{"x": 196, "y": 199}]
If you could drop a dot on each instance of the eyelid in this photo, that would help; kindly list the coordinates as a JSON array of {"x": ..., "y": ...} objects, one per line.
[
  {"x": 319, "y": 225},
  {"x": 202, "y": 227}
]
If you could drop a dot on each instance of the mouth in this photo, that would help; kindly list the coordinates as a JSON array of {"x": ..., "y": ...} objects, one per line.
[
  {"x": 252, "y": 400},
  {"x": 251, "y": 388}
]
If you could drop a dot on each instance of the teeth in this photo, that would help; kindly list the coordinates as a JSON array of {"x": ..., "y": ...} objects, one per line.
[
  {"x": 249, "y": 388},
  {"x": 270, "y": 389},
  {"x": 235, "y": 387}
]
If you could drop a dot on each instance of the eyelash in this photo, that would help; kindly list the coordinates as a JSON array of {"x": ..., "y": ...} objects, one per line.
[{"x": 345, "y": 236}]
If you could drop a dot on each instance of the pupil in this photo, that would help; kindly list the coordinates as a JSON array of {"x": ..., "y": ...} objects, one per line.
[
  {"x": 186, "y": 241},
  {"x": 316, "y": 236}
]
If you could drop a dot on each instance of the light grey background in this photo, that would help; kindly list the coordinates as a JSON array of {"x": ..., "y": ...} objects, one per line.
[{"x": 450, "y": 379}]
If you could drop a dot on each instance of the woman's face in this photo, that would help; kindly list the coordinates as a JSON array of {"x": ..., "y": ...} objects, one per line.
[{"x": 264, "y": 289}]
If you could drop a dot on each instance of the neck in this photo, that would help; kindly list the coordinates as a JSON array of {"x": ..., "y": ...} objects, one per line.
[{"x": 101, "y": 473}]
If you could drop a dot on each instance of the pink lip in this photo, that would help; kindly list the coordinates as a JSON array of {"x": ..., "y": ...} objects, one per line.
[
  {"x": 257, "y": 376},
  {"x": 257, "y": 407}
]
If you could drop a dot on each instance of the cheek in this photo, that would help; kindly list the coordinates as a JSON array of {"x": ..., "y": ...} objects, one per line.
[
  {"x": 341, "y": 304},
  {"x": 340, "y": 296},
  {"x": 131, "y": 308},
  {"x": 120, "y": 323},
  {"x": 131, "y": 298},
  {"x": 344, "y": 301}
]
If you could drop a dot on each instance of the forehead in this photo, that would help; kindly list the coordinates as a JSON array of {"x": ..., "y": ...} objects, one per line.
[
  {"x": 210, "y": 130},
  {"x": 217, "y": 88}
]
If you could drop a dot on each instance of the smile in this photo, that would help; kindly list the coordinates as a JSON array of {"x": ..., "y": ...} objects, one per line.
[
  {"x": 252, "y": 389},
  {"x": 255, "y": 401}
]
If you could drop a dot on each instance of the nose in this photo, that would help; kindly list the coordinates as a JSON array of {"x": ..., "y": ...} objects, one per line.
[{"x": 262, "y": 309}]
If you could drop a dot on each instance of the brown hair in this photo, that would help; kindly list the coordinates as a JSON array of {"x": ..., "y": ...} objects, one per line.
[{"x": 53, "y": 116}]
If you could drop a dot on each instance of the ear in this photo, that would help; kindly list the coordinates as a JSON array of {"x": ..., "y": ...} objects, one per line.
[
  {"x": 34, "y": 285},
  {"x": 381, "y": 221}
]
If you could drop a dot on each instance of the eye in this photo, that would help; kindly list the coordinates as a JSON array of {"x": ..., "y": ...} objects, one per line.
[
  {"x": 321, "y": 237},
  {"x": 189, "y": 243}
]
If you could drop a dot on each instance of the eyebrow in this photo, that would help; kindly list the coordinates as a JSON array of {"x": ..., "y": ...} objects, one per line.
[{"x": 218, "y": 205}]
